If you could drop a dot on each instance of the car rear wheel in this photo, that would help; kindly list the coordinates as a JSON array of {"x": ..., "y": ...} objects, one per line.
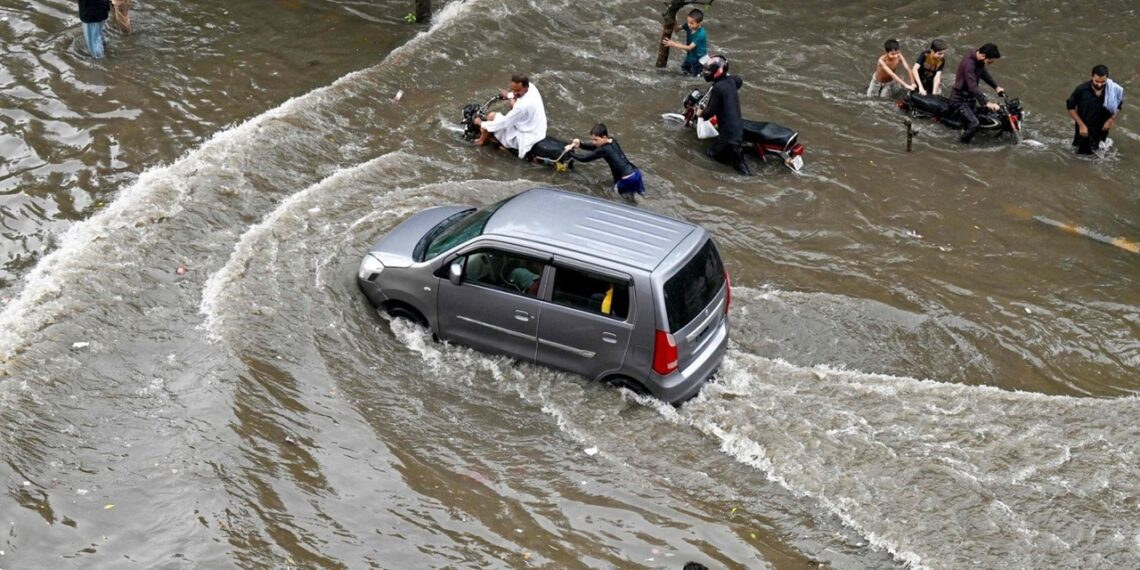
[{"x": 629, "y": 384}]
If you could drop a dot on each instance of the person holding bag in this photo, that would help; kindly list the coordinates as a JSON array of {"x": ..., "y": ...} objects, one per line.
[{"x": 724, "y": 104}]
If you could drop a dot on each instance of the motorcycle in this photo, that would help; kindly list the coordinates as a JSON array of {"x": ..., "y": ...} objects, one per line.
[
  {"x": 763, "y": 138},
  {"x": 1006, "y": 119},
  {"x": 548, "y": 151}
]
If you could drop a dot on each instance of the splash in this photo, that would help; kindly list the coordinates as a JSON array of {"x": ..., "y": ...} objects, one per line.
[
  {"x": 919, "y": 467},
  {"x": 108, "y": 238}
]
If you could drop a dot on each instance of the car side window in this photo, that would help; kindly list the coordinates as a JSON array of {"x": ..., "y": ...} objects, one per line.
[
  {"x": 502, "y": 270},
  {"x": 591, "y": 292}
]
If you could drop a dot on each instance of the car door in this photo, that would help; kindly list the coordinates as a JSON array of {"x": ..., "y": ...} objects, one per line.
[
  {"x": 586, "y": 325},
  {"x": 495, "y": 308}
]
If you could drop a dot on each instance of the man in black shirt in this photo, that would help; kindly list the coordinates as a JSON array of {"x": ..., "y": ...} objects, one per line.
[
  {"x": 966, "y": 93},
  {"x": 1092, "y": 117},
  {"x": 724, "y": 104}
]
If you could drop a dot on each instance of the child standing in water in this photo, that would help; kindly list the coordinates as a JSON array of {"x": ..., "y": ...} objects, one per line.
[
  {"x": 696, "y": 44},
  {"x": 627, "y": 177},
  {"x": 927, "y": 70},
  {"x": 886, "y": 82}
]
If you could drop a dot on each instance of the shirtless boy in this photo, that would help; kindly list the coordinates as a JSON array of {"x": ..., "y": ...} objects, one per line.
[{"x": 886, "y": 82}]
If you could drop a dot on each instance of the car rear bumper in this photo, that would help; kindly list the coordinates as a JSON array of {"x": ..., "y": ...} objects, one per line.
[{"x": 686, "y": 383}]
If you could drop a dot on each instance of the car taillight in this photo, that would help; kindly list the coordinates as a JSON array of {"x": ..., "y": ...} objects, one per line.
[
  {"x": 664, "y": 354},
  {"x": 727, "y": 292}
]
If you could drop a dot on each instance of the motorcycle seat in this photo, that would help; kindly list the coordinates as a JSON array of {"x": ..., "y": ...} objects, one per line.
[
  {"x": 759, "y": 132},
  {"x": 935, "y": 105}
]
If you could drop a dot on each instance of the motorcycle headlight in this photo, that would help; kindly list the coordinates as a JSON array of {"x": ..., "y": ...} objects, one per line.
[{"x": 369, "y": 268}]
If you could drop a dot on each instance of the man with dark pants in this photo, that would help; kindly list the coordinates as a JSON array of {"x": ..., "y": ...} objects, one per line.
[
  {"x": 1093, "y": 106},
  {"x": 724, "y": 104},
  {"x": 966, "y": 93}
]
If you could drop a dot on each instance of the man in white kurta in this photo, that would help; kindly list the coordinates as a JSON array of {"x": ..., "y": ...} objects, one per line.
[{"x": 524, "y": 125}]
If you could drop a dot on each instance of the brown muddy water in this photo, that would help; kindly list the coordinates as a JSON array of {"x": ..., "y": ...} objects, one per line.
[{"x": 919, "y": 376}]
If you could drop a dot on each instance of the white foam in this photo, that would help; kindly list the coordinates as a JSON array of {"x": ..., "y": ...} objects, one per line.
[
  {"x": 252, "y": 244},
  {"x": 40, "y": 300}
]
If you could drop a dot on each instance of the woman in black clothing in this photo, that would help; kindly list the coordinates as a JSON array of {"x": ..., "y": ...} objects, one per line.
[{"x": 627, "y": 177}]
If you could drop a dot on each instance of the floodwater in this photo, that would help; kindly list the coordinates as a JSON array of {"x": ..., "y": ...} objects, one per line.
[{"x": 919, "y": 376}]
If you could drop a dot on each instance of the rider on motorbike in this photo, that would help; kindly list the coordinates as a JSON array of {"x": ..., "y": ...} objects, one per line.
[
  {"x": 724, "y": 104},
  {"x": 966, "y": 93}
]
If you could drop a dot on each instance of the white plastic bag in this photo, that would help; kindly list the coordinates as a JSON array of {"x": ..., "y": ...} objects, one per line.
[{"x": 705, "y": 129}]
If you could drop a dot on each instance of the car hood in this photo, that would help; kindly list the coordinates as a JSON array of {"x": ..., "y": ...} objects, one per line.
[{"x": 395, "y": 248}]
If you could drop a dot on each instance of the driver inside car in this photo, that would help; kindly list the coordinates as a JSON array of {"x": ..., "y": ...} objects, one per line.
[{"x": 524, "y": 278}]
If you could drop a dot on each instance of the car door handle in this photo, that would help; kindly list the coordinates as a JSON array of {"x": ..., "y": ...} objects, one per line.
[
  {"x": 609, "y": 337},
  {"x": 522, "y": 315}
]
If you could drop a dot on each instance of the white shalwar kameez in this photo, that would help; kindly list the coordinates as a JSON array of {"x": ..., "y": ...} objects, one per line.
[{"x": 523, "y": 126}]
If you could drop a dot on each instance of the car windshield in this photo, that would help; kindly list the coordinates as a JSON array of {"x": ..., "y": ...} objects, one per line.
[{"x": 449, "y": 236}]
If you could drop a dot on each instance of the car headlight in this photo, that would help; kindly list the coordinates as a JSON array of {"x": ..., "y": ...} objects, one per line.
[{"x": 369, "y": 268}]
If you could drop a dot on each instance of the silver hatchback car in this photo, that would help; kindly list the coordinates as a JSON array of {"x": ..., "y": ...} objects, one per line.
[{"x": 605, "y": 290}]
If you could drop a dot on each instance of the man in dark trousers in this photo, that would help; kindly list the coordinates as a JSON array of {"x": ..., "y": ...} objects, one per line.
[
  {"x": 1093, "y": 107},
  {"x": 967, "y": 93},
  {"x": 93, "y": 13},
  {"x": 724, "y": 104}
]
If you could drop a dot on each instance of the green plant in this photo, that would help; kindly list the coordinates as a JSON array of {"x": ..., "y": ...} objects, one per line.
[{"x": 410, "y": 18}]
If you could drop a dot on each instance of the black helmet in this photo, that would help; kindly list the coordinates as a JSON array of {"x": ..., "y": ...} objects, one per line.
[{"x": 715, "y": 68}]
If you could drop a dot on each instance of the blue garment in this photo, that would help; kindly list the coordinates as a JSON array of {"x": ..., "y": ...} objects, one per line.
[
  {"x": 93, "y": 31},
  {"x": 700, "y": 42},
  {"x": 631, "y": 184},
  {"x": 1113, "y": 96}
]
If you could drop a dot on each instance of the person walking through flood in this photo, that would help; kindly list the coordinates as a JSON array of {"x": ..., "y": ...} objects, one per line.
[
  {"x": 724, "y": 104},
  {"x": 93, "y": 14},
  {"x": 966, "y": 93},
  {"x": 696, "y": 44},
  {"x": 121, "y": 11},
  {"x": 926, "y": 73},
  {"x": 886, "y": 81},
  {"x": 1093, "y": 107},
  {"x": 627, "y": 177}
]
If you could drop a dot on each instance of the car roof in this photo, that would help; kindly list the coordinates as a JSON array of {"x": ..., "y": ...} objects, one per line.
[{"x": 614, "y": 232}]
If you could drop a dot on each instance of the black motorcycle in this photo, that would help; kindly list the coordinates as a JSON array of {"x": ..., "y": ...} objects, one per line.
[
  {"x": 549, "y": 151},
  {"x": 1006, "y": 119},
  {"x": 762, "y": 138}
]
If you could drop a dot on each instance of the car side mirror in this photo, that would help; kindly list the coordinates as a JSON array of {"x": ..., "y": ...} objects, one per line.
[{"x": 455, "y": 272}]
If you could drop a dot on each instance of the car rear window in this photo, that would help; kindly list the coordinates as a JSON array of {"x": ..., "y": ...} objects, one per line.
[{"x": 693, "y": 287}]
